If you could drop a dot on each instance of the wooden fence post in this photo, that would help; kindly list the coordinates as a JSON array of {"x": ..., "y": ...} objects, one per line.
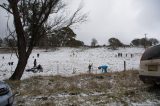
[{"x": 124, "y": 65}]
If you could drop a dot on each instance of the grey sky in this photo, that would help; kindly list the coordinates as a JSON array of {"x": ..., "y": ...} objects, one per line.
[{"x": 124, "y": 19}]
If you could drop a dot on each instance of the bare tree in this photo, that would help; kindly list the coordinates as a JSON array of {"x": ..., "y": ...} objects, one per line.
[{"x": 30, "y": 22}]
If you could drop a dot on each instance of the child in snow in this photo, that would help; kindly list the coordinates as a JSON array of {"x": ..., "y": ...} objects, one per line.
[
  {"x": 39, "y": 67},
  {"x": 89, "y": 67}
]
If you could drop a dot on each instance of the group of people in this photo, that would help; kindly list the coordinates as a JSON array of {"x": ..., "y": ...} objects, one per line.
[
  {"x": 9, "y": 63},
  {"x": 36, "y": 68},
  {"x": 121, "y": 55},
  {"x": 102, "y": 67}
]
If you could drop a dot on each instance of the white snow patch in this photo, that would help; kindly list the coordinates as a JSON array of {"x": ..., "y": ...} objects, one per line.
[{"x": 72, "y": 61}]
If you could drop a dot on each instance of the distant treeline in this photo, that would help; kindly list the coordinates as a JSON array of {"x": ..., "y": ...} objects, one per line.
[
  {"x": 138, "y": 42},
  {"x": 65, "y": 37}
]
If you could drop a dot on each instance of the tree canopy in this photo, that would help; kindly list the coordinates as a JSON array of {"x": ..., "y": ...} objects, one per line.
[{"x": 114, "y": 43}]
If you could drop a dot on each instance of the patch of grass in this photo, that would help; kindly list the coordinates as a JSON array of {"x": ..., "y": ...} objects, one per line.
[{"x": 112, "y": 87}]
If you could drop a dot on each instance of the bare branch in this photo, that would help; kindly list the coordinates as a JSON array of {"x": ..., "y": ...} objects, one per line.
[
  {"x": 59, "y": 7},
  {"x": 77, "y": 17},
  {"x": 6, "y": 7},
  {"x": 11, "y": 34},
  {"x": 61, "y": 20}
]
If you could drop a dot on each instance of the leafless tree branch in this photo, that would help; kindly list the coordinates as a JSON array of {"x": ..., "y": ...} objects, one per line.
[
  {"x": 6, "y": 7},
  {"x": 11, "y": 34},
  {"x": 77, "y": 17}
]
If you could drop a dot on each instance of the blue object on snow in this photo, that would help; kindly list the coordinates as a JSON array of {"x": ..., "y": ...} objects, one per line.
[{"x": 104, "y": 68}]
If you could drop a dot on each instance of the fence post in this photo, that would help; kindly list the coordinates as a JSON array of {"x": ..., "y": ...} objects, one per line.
[
  {"x": 57, "y": 69},
  {"x": 124, "y": 65}
]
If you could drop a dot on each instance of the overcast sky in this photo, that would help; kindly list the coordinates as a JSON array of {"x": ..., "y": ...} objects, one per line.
[{"x": 123, "y": 19}]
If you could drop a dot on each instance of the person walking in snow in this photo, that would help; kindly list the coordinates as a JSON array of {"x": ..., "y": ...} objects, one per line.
[
  {"x": 38, "y": 55},
  {"x": 121, "y": 55},
  {"x": 35, "y": 62},
  {"x": 89, "y": 67},
  {"x": 131, "y": 55}
]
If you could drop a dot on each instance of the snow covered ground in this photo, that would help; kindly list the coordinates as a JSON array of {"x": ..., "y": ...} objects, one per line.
[{"x": 71, "y": 61}]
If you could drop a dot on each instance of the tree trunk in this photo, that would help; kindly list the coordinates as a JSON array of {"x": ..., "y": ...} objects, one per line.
[
  {"x": 21, "y": 42},
  {"x": 19, "y": 69}
]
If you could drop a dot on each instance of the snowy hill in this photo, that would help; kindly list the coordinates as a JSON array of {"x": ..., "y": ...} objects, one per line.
[{"x": 66, "y": 61}]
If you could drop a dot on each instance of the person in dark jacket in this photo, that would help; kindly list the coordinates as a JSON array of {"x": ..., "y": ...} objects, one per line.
[
  {"x": 39, "y": 67},
  {"x": 89, "y": 67},
  {"x": 35, "y": 62},
  {"x": 38, "y": 55}
]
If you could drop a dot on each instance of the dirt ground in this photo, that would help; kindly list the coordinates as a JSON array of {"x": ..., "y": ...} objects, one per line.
[{"x": 111, "y": 89}]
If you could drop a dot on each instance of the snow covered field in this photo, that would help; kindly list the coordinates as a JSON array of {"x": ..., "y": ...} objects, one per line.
[{"x": 71, "y": 61}]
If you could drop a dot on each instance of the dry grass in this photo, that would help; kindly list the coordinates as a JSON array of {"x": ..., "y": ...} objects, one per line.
[{"x": 85, "y": 89}]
